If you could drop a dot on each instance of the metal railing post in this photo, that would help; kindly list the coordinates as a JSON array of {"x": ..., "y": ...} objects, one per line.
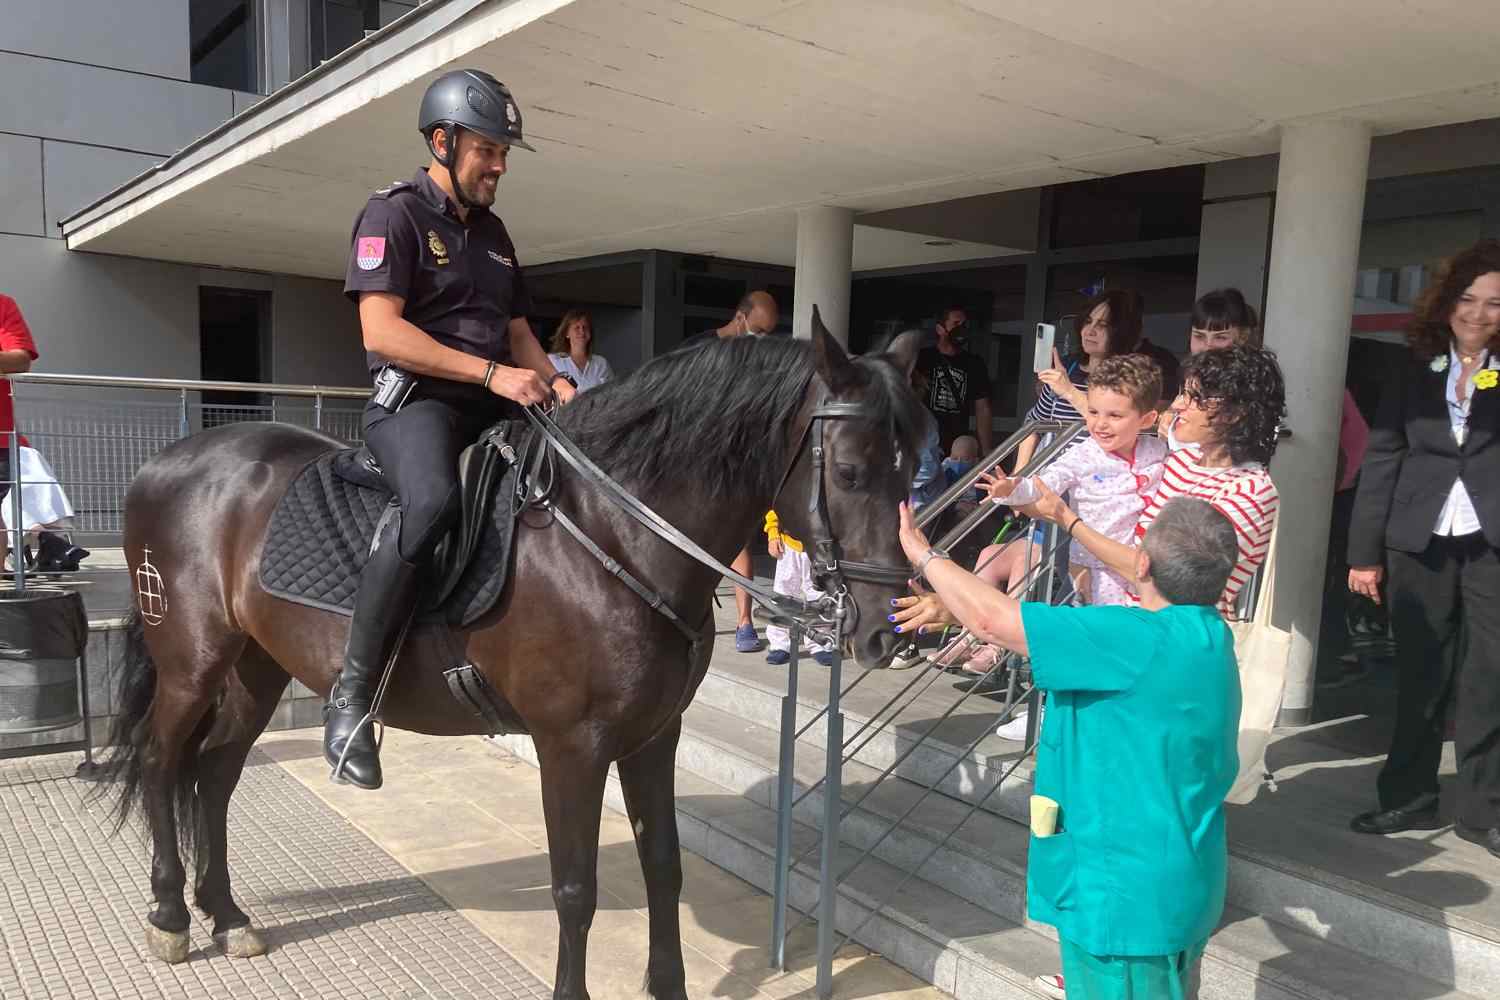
[
  {"x": 183, "y": 428},
  {"x": 18, "y": 549},
  {"x": 833, "y": 797},
  {"x": 784, "y": 782},
  {"x": 318, "y": 412}
]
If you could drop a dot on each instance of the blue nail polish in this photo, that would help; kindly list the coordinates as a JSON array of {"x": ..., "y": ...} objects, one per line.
[
  {"x": 890, "y": 618},
  {"x": 898, "y": 628},
  {"x": 895, "y": 602}
]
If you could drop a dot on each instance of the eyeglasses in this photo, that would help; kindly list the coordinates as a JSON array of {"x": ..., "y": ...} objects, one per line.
[{"x": 1196, "y": 399}]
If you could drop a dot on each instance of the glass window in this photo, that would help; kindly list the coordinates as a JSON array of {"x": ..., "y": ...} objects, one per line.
[
  {"x": 1152, "y": 205},
  {"x": 338, "y": 24},
  {"x": 223, "y": 50}
]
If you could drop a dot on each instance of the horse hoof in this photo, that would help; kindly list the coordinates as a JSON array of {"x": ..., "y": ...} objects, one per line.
[
  {"x": 242, "y": 942},
  {"x": 168, "y": 946}
]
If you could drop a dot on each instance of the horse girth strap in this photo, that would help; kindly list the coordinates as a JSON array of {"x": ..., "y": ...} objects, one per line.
[{"x": 655, "y": 523}]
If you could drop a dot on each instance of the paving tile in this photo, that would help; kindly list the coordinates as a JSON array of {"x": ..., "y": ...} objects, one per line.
[{"x": 344, "y": 918}]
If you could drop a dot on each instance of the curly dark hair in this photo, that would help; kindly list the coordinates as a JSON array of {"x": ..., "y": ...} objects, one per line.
[
  {"x": 1430, "y": 332},
  {"x": 1247, "y": 394},
  {"x": 1132, "y": 375}
]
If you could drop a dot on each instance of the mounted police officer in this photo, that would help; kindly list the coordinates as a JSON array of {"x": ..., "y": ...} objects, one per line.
[{"x": 442, "y": 307}]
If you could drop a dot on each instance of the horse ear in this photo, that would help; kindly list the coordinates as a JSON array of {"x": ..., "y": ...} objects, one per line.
[
  {"x": 828, "y": 356},
  {"x": 903, "y": 351}
]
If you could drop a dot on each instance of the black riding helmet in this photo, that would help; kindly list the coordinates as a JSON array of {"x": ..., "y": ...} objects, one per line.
[{"x": 469, "y": 99}]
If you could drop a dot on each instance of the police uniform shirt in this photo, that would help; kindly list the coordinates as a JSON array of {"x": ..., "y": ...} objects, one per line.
[{"x": 461, "y": 281}]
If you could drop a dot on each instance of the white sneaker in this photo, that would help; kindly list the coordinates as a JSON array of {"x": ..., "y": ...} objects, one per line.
[
  {"x": 1015, "y": 729},
  {"x": 1051, "y": 985}
]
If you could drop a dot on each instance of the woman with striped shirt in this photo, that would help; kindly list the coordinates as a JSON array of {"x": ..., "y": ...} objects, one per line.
[{"x": 1231, "y": 404}]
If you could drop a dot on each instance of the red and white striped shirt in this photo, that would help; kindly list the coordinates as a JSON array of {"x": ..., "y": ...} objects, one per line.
[{"x": 1242, "y": 493}]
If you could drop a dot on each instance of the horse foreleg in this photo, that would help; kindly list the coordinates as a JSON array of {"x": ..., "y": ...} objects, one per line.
[
  {"x": 574, "y": 769},
  {"x": 646, "y": 778},
  {"x": 249, "y": 702}
]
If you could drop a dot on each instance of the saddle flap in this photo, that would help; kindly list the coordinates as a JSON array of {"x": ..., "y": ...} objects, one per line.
[{"x": 480, "y": 466}]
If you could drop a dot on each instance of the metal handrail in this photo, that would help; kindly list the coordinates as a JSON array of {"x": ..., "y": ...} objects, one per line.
[
  {"x": 838, "y": 751},
  {"x": 190, "y": 385}
]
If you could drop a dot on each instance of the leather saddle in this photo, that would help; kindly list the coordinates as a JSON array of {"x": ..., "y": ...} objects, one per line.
[{"x": 480, "y": 467}]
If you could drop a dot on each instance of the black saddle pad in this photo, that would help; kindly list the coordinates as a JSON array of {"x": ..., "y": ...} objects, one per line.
[{"x": 320, "y": 536}]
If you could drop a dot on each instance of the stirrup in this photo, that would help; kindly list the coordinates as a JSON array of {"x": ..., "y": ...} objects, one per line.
[{"x": 337, "y": 774}]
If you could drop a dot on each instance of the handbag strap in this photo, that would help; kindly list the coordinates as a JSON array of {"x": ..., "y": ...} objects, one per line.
[{"x": 1262, "y": 614}]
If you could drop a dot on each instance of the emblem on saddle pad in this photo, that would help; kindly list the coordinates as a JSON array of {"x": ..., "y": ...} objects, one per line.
[
  {"x": 436, "y": 245},
  {"x": 150, "y": 591}
]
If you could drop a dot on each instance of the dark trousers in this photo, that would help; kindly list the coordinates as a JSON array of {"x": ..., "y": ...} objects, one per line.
[
  {"x": 1444, "y": 605},
  {"x": 418, "y": 448},
  {"x": 1333, "y": 634}
]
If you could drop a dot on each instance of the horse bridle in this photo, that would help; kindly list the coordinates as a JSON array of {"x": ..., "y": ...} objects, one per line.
[{"x": 831, "y": 572}]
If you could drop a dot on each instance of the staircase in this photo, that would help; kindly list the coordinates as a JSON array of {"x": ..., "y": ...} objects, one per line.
[{"x": 1290, "y": 931}]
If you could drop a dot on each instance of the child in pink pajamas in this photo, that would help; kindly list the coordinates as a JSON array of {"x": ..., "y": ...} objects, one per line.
[{"x": 1110, "y": 474}]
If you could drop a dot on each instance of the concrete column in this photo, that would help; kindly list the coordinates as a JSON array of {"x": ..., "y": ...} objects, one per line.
[
  {"x": 825, "y": 263},
  {"x": 1320, "y": 196}
]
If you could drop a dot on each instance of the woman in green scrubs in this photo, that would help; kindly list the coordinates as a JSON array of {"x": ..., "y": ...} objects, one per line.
[{"x": 1137, "y": 750}]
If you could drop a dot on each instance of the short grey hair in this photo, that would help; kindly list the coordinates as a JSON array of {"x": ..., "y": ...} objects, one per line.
[{"x": 1193, "y": 550}]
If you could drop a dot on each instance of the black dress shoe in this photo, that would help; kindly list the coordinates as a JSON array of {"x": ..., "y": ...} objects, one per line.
[
  {"x": 1487, "y": 839},
  {"x": 1419, "y": 814}
]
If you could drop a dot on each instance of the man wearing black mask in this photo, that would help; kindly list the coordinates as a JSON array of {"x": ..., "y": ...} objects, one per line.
[{"x": 957, "y": 384}]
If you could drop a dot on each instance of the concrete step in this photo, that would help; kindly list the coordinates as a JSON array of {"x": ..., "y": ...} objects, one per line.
[
  {"x": 983, "y": 858},
  {"x": 1346, "y": 912},
  {"x": 976, "y": 954}
]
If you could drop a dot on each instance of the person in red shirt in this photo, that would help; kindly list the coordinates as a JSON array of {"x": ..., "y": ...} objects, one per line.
[{"x": 17, "y": 352}]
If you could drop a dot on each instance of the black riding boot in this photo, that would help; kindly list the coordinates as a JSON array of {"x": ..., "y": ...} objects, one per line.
[{"x": 387, "y": 597}]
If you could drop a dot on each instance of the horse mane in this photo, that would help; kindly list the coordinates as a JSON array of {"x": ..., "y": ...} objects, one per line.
[{"x": 715, "y": 414}]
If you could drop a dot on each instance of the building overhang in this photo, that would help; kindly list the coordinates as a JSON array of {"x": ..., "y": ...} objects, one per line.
[{"x": 702, "y": 127}]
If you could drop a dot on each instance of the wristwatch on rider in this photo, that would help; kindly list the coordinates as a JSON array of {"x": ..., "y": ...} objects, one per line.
[{"x": 565, "y": 377}]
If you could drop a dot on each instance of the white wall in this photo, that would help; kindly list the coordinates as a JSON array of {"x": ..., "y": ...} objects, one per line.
[
  {"x": 103, "y": 315},
  {"x": 1234, "y": 247}
]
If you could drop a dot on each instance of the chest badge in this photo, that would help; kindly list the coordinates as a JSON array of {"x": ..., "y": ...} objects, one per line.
[
  {"x": 438, "y": 248},
  {"x": 501, "y": 259}
]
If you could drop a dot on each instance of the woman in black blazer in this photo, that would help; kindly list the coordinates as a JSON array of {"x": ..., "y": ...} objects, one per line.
[{"x": 1429, "y": 508}]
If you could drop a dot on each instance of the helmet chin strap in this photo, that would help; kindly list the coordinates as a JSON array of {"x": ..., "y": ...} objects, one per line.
[{"x": 450, "y": 161}]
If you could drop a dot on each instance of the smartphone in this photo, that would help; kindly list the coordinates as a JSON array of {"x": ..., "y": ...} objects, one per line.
[{"x": 1046, "y": 336}]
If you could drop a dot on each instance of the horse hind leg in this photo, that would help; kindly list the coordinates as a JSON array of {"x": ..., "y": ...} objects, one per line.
[
  {"x": 249, "y": 700},
  {"x": 646, "y": 778},
  {"x": 169, "y": 795},
  {"x": 171, "y": 713}
]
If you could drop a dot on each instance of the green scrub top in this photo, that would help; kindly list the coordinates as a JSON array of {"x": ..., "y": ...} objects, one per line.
[{"x": 1138, "y": 748}]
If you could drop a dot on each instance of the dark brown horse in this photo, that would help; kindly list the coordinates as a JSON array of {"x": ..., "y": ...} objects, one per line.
[{"x": 705, "y": 437}]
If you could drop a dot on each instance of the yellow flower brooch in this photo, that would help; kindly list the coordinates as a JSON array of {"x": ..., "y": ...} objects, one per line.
[{"x": 1486, "y": 379}]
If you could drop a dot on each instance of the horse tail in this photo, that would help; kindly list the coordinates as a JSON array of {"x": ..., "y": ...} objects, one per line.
[{"x": 131, "y": 739}]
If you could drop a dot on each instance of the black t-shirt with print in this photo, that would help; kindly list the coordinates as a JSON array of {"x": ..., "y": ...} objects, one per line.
[{"x": 954, "y": 382}]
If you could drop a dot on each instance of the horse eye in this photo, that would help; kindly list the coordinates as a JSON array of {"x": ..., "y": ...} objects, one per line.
[{"x": 848, "y": 475}]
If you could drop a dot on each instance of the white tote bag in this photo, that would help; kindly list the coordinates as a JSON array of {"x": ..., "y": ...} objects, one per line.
[
  {"x": 1262, "y": 651},
  {"x": 43, "y": 502}
]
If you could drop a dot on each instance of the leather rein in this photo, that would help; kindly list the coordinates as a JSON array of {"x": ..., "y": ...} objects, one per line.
[{"x": 831, "y": 572}]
